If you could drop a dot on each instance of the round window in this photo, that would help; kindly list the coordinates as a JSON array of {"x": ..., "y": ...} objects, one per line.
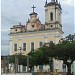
[
  {"x": 15, "y": 29},
  {"x": 51, "y": 25}
]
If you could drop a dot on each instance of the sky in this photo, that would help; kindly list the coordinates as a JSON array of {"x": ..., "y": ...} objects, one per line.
[{"x": 15, "y": 11}]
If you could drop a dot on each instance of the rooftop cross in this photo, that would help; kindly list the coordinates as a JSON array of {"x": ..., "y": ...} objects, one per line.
[{"x": 33, "y": 8}]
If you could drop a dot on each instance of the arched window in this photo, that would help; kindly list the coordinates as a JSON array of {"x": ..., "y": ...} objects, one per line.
[
  {"x": 15, "y": 47},
  {"x": 40, "y": 44},
  {"x": 51, "y": 16},
  {"x": 32, "y": 46},
  {"x": 24, "y": 46}
]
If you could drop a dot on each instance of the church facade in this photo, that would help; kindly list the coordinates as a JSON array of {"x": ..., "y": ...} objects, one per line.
[{"x": 33, "y": 35}]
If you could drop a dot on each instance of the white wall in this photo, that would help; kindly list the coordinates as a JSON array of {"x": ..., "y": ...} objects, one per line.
[{"x": 73, "y": 67}]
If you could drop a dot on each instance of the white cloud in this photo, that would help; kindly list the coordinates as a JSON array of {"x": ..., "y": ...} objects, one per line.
[
  {"x": 4, "y": 30},
  {"x": 5, "y": 49},
  {"x": 67, "y": 2}
]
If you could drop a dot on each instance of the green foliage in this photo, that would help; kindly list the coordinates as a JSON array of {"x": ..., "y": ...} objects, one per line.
[
  {"x": 41, "y": 55},
  {"x": 22, "y": 59},
  {"x": 66, "y": 50},
  {"x": 12, "y": 59},
  {"x": 70, "y": 37}
]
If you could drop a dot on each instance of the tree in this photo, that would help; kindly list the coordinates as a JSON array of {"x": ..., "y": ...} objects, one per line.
[
  {"x": 66, "y": 52},
  {"x": 39, "y": 57},
  {"x": 22, "y": 59},
  {"x": 70, "y": 37},
  {"x": 11, "y": 59}
]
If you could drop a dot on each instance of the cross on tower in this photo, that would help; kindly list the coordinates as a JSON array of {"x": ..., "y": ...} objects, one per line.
[
  {"x": 52, "y": 0},
  {"x": 46, "y": 1},
  {"x": 33, "y": 8}
]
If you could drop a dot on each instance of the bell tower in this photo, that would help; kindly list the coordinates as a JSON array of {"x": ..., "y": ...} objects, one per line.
[{"x": 53, "y": 12}]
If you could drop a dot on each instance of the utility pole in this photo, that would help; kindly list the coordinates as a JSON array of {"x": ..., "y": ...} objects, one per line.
[
  {"x": 28, "y": 63},
  {"x": 16, "y": 64},
  {"x": 8, "y": 64},
  {"x": 19, "y": 58},
  {"x": 4, "y": 64}
]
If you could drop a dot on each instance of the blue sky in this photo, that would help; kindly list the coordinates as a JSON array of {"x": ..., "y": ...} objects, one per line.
[{"x": 13, "y": 12}]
